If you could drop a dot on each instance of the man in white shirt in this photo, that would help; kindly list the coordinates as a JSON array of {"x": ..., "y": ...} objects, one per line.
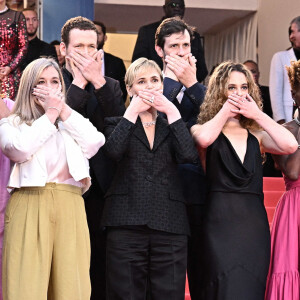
[{"x": 280, "y": 90}]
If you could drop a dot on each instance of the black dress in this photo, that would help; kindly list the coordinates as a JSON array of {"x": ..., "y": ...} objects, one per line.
[{"x": 236, "y": 236}]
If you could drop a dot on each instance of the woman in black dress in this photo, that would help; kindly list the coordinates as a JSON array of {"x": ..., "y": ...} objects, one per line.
[{"x": 231, "y": 135}]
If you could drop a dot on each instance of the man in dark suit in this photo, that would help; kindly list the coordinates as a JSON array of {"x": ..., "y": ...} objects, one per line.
[
  {"x": 145, "y": 44},
  {"x": 36, "y": 47},
  {"x": 112, "y": 66},
  {"x": 173, "y": 45},
  {"x": 95, "y": 97}
]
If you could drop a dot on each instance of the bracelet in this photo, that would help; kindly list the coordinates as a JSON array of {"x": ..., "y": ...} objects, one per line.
[{"x": 53, "y": 107}]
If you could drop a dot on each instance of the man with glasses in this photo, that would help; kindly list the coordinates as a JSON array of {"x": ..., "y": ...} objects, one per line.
[{"x": 145, "y": 44}]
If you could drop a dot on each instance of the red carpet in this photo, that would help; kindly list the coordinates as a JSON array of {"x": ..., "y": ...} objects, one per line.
[{"x": 273, "y": 189}]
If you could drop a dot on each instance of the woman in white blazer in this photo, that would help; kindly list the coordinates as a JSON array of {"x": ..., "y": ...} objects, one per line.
[{"x": 46, "y": 241}]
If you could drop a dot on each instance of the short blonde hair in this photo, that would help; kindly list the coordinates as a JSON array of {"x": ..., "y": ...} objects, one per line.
[
  {"x": 140, "y": 65},
  {"x": 216, "y": 94},
  {"x": 26, "y": 107}
]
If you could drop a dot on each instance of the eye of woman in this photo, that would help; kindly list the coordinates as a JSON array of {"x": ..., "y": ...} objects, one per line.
[{"x": 41, "y": 81}]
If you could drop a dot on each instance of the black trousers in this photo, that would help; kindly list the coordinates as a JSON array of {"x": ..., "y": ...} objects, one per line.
[
  {"x": 195, "y": 244},
  {"x": 138, "y": 258},
  {"x": 94, "y": 204}
]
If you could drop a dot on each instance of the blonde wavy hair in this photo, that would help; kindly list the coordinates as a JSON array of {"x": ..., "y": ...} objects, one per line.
[
  {"x": 217, "y": 92},
  {"x": 26, "y": 108},
  {"x": 294, "y": 74}
]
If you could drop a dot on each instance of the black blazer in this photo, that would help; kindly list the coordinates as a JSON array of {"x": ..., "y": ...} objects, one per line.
[
  {"x": 145, "y": 47},
  {"x": 96, "y": 105},
  {"x": 146, "y": 189},
  {"x": 115, "y": 68}
]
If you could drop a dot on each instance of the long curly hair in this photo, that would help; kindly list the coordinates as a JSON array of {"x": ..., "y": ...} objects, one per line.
[
  {"x": 294, "y": 74},
  {"x": 217, "y": 93}
]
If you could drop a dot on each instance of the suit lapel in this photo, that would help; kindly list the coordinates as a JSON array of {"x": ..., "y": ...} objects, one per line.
[
  {"x": 161, "y": 132},
  {"x": 139, "y": 132}
]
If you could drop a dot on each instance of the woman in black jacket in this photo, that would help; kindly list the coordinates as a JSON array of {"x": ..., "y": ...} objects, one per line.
[{"x": 145, "y": 212}]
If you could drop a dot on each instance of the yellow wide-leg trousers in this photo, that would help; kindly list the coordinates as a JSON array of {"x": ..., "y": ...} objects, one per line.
[{"x": 46, "y": 249}]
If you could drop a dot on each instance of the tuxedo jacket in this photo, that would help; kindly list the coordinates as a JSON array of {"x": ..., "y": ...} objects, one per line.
[
  {"x": 146, "y": 189},
  {"x": 145, "y": 47},
  {"x": 115, "y": 68}
]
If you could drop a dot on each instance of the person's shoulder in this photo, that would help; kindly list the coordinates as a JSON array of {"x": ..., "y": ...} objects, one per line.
[
  {"x": 150, "y": 26},
  {"x": 282, "y": 53},
  {"x": 111, "y": 81},
  {"x": 112, "y": 57}
]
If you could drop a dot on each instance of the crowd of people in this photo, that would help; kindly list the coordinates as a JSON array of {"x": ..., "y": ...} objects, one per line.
[{"x": 99, "y": 200}]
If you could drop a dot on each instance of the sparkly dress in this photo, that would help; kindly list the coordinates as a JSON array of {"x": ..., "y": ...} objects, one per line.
[
  {"x": 283, "y": 279},
  {"x": 13, "y": 47}
]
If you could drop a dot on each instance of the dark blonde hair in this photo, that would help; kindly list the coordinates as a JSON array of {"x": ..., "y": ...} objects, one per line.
[
  {"x": 26, "y": 107},
  {"x": 217, "y": 91},
  {"x": 294, "y": 74},
  {"x": 140, "y": 65}
]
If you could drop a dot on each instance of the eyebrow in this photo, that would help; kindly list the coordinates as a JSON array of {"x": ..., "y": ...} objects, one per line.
[{"x": 55, "y": 77}]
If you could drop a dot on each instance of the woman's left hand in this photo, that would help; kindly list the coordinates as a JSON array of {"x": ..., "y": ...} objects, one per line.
[{"x": 245, "y": 105}]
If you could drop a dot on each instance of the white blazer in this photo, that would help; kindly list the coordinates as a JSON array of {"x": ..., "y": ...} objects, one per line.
[
  {"x": 24, "y": 145},
  {"x": 280, "y": 89}
]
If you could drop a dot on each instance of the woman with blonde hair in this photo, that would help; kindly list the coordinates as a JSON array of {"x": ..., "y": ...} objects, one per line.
[
  {"x": 283, "y": 279},
  {"x": 231, "y": 135},
  {"x": 46, "y": 241},
  {"x": 145, "y": 212}
]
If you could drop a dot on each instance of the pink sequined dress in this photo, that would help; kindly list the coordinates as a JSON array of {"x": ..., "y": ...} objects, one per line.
[
  {"x": 283, "y": 279},
  {"x": 13, "y": 47}
]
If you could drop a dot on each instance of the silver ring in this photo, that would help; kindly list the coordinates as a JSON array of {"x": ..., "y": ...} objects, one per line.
[{"x": 152, "y": 99}]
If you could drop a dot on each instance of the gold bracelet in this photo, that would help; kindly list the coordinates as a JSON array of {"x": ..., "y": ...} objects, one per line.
[{"x": 53, "y": 107}]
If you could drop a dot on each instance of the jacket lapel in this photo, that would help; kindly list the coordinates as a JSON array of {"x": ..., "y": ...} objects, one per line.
[
  {"x": 161, "y": 132},
  {"x": 139, "y": 132}
]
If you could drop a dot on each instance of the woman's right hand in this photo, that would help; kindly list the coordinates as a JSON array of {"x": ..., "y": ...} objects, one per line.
[
  {"x": 136, "y": 106},
  {"x": 229, "y": 109}
]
